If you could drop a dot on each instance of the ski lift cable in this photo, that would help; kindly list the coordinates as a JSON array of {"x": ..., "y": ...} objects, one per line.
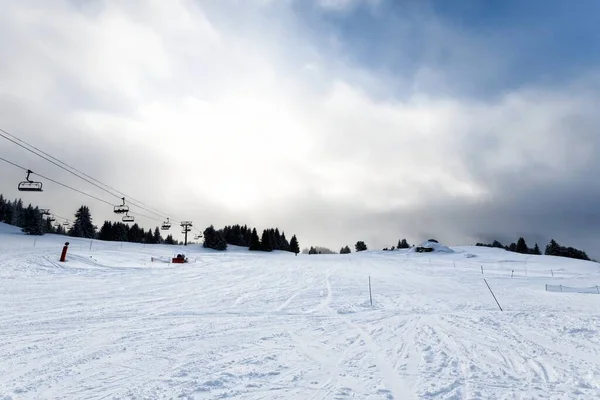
[
  {"x": 77, "y": 190},
  {"x": 72, "y": 188},
  {"x": 61, "y": 217},
  {"x": 13, "y": 164},
  {"x": 44, "y": 155},
  {"x": 60, "y": 166},
  {"x": 58, "y": 183},
  {"x": 55, "y": 163},
  {"x": 144, "y": 216}
]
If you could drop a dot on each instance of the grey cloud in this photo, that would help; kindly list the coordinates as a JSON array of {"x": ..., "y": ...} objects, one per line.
[{"x": 351, "y": 160}]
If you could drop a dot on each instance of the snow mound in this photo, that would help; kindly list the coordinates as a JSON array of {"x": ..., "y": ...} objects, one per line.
[{"x": 434, "y": 246}]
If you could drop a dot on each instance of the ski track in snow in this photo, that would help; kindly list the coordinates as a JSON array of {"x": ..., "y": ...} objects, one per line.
[{"x": 110, "y": 324}]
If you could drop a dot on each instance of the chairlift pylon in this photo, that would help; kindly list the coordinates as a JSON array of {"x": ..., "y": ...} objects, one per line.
[
  {"x": 166, "y": 225},
  {"x": 128, "y": 218},
  {"x": 123, "y": 208},
  {"x": 28, "y": 185}
]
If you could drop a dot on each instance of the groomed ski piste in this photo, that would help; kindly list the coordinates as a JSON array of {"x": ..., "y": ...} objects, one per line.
[{"x": 111, "y": 324}]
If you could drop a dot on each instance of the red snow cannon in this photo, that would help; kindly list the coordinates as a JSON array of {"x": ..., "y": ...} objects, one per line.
[{"x": 179, "y": 259}]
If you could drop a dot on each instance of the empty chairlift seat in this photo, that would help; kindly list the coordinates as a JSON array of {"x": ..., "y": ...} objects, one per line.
[
  {"x": 28, "y": 185},
  {"x": 122, "y": 209}
]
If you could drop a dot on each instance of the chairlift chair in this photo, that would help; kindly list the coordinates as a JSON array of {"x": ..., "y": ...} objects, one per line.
[
  {"x": 66, "y": 223},
  {"x": 51, "y": 218},
  {"x": 122, "y": 209},
  {"x": 28, "y": 185},
  {"x": 45, "y": 211},
  {"x": 128, "y": 218},
  {"x": 166, "y": 225}
]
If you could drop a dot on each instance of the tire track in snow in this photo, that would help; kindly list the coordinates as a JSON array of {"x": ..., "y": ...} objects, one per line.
[
  {"x": 393, "y": 381},
  {"x": 320, "y": 357},
  {"x": 289, "y": 300}
]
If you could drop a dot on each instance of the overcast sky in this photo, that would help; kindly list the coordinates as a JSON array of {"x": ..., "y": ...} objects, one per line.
[{"x": 336, "y": 120}]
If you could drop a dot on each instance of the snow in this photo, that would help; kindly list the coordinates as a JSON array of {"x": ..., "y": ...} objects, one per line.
[{"x": 110, "y": 324}]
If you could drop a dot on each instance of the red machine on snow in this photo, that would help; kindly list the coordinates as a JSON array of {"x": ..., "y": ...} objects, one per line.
[{"x": 180, "y": 259}]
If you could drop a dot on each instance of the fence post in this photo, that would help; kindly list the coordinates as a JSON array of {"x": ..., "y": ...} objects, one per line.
[
  {"x": 91, "y": 245},
  {"x": 482, "y": 269},
  {"x": 552, "y": 272},
  {"x": 560, "y": 288},
  {"x": 454, "y": 264},
  {"x": 34, "y": 240},
  {"x": 370, "y": 294},
  {"x": 597, "y": 290},
  {"x": 512, "y": 273},
  {"x": 546, "y": 287},
  {"x": 493, "y": 295}
]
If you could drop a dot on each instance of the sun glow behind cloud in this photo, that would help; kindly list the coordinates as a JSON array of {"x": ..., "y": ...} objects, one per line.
[{"x": 255, "y": 116}]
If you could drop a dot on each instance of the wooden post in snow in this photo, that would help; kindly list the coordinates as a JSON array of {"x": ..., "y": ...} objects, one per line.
[
  {"x": 370, "y": 294},
  {"x": 493, "y": 295}
]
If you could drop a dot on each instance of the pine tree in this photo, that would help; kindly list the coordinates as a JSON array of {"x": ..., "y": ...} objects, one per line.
[
  {"x": 149, "y": 237},
  {"x": 157, "y": 238},
  {"x": 294, "y": 245},
  {"x": 106, "y": 231},
  {"x": 135, "y": 234},
  {"x": 345, "y": 250},
  {"x": 360, "y": 246},
  {"x": 247, "y": 236},
  {"x": 120, "y": 232},
  {"x": 265, "y": 241},
  {"x": 536, "y": 250},
  {"x": 254, "y": 240},
  {"x": 552, "y": 249},
  {"x": 83, "y": 226},
  {"x": 32, "y": 221},
  {"x": 8, "y": 212},
  {"x": 285, "y": 245},
  {"x": 3, "y": 209},
  {"x": 214, "y": 239},
  {"x": 17, "y": 213},
  {"x": 169, "y": 240},
  {"x": 522, "y": 246},
  {"x": 403, "y": 244}
]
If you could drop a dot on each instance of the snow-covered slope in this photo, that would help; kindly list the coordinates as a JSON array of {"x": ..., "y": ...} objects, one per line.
[{"x": 111, "y": 324}]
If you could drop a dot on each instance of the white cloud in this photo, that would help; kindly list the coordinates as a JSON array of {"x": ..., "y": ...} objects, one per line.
[
  {"x": 221, "y": 123},
  {"x": 341, "y": 5}
]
